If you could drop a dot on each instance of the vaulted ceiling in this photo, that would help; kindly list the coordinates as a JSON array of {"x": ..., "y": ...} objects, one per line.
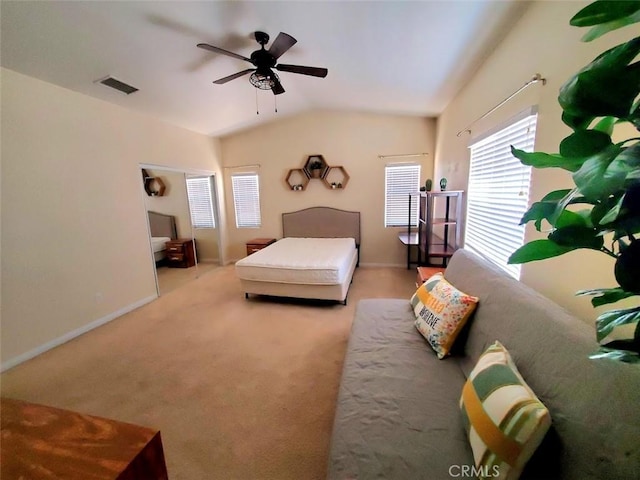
[{"x": 385, "y": 56}]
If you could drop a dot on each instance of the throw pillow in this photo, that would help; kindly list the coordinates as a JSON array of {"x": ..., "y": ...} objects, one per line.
[
  {"x": 504, "y": 419},
  {"x": 441, "y": 311}
]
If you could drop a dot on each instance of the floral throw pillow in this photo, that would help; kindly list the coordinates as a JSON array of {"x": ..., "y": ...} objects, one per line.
[{"x": 441, "y": 311}]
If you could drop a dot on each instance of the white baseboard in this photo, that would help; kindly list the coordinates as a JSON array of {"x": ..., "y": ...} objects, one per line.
[{"x": 12, "y": 362}]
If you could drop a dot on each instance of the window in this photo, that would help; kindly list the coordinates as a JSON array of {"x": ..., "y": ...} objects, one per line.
[
  {"x": 499, "y": 193},
  {"x": 246, "y": 200},
  {"x": 399, "y": 181},
  {"x": 200, "y": 204}
]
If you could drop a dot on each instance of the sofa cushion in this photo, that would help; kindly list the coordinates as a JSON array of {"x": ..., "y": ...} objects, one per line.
[
  {"x": 504, "y": 419},
  {"x": 397, "y": 413},
  {"x": 441, "y": 311}
]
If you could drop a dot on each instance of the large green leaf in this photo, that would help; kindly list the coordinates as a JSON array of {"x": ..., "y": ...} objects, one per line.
[
  {"x": 576, "y": 122},
  {"x": 600, "y": 175},
  {"x": 631, "y": 156},
  {"x": 603, "y": 296},
  {"x": 538, "y": 250},
  {"x": 605, "y": 87},
  {"x": 616, "y": 57},
  {"x": 613, "y": 213},
  {"x": 604, "y": 91},
  {"x": 575, "y": 236},
  {"x": 537, "y": 212},
  {"x": 568, "y": 218},
  {"x": 546, "y": 160},
  {"x": 606, "y": 322},
  {"x": 603, "y": 11},
  {"x": 545, "y": 209},
  {"x": 606, "y": 125},
  {"x": 616, "y": 354},
  {"x": 556, "y": 195},
  {"x": 584, "y": 143},
  {"x": 599, "y": 30}
]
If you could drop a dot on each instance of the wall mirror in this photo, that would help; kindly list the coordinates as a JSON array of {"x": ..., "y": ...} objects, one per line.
[{"x": 184, "y": 234}]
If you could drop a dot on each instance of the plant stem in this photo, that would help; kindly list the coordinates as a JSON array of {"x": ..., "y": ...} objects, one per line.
[{"x": 608, "y": 252}]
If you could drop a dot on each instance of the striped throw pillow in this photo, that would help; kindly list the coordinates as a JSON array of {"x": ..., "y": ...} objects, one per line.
[
  {"x": 441, "y": 311},
  {"x": 504, "y": 419}
]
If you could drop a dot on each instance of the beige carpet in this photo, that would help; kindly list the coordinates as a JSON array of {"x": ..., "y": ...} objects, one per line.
[{"x": 240, "y": 389}]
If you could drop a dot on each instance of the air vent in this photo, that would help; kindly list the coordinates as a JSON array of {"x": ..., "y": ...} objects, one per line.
[{"x": 118, "y": 85}]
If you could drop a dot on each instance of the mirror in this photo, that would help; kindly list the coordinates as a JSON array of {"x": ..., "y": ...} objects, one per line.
[{"x": 182, "y": 220}]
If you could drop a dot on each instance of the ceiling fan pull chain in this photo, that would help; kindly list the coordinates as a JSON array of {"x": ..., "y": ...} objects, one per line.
[{"x": 275, "y": 103}]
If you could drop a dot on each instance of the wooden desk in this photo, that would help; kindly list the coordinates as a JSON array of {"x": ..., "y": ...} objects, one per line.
[{"x": 42, "y": 443}]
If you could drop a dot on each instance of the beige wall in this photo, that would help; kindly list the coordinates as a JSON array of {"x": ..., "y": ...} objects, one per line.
[
  {"x": 541, "y": 42},
  {"x": 74, "y": 234},
  {"x": 352, "y": 140}
]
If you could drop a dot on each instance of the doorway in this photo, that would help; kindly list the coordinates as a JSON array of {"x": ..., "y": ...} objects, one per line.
[{"x": 182, "y": 214}]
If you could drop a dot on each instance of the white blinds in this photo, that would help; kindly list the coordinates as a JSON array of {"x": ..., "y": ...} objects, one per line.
[
  {"x": 200, "y": 205},
  {"x": 246, "y": 200},
  {"x": 498, "y": 193},
  {"x": 401, "y": 180}
]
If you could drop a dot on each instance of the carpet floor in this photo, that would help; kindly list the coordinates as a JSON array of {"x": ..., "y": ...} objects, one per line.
[{"x": 240, "y": 389}]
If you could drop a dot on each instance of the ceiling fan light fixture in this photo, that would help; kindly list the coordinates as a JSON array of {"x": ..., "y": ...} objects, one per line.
[{"x": 264, "y": 81}]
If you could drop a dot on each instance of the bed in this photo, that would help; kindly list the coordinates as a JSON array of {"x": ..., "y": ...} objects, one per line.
[
  {"x": 315, "y": 259},
  {"x": 163, "y": 229}
]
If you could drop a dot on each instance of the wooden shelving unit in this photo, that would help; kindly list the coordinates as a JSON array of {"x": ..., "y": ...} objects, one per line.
[{"x": 436, "y": 237}]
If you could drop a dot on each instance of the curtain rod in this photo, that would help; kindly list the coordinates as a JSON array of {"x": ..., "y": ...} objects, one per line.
[
  {"x": 404, "y": 155},
  {"x": 536, "y": 78},
  {"x": 244, "y": 166}
]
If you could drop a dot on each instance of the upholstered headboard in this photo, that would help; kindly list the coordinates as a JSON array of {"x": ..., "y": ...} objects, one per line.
[
  {"x": 162, "y": 225},
  {"x": 322, "y": 222}
]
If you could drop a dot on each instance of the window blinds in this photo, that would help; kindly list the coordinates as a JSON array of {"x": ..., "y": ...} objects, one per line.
[
  {"x": 246, "y": 199},
  {"x": 200, "y": 205},
  {"x": 400, "y": 181},
  {"x": 498, "y": 193}
]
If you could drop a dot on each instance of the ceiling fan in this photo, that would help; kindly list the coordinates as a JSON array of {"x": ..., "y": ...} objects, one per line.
[{"x": 264, "y": 61}]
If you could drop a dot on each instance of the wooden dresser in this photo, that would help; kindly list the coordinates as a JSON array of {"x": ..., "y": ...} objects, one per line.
[
  {"x": 42, "y": 443},
  {"x": 256, "y": 244},
  {"x": 180, "y": 253}
]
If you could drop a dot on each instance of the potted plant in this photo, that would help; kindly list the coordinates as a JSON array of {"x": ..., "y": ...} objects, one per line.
[
  {"x": 315, "y": 167},
  {"x": 602, "y": 211}
]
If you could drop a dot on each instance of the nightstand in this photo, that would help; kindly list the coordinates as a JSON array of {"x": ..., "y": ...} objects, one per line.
[
  {"x": 180, "y": 253},
  {"x": 256, "y": 244},
  {"x": 424, "y": 273}
]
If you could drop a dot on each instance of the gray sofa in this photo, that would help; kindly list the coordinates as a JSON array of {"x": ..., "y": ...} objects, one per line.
[{"x": 398, "y": 413}]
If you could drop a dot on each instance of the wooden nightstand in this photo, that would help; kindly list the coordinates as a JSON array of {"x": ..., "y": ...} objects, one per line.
[
  {"x": 180, "y": 253},
  {"x": 256, "y": 244},
  {"x": 424, "y": 273}
]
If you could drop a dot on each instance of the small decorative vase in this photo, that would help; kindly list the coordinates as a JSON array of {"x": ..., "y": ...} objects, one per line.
[
  {"x": 428, "y": 185},
  {"x": 443, "y": 184}
]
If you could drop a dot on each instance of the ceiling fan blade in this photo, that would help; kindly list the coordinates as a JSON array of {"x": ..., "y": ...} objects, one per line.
[
  {"x": 213, "y": 49},
  {"x": 313, "y": 71},
  {"x": 281, "y": 44},
  {"x": 277, "y": 89},
  {"x": 224, "y": 80}
]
